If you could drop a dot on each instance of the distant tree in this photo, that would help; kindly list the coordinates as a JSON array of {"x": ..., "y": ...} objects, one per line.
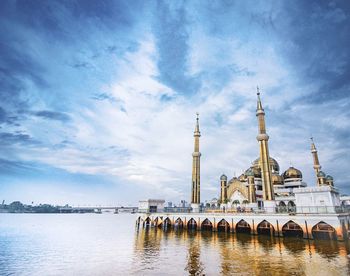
[{"x": 16, "y": 207}]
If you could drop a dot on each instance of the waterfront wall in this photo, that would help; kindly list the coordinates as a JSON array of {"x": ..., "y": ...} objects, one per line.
[{"x": 335, "y": 226}]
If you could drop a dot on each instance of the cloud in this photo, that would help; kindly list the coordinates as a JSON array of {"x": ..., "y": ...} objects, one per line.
[
  {"x": 52, "y": 115},
  {"x": 16, "y": 138},
  {"x": 126, "y": 79}
]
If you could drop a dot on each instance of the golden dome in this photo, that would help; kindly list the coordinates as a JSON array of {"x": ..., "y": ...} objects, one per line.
[
  {"x": 292, "y": 173},
  {"x": 277, "y": 179},
  {"x": 242, "y": 177},
  {"x": 257, "y": 172},
  {"x": 273, "y": 163}
]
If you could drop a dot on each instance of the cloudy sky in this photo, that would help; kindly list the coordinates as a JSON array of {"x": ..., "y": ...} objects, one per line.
[{"x": 98, "y": 98}]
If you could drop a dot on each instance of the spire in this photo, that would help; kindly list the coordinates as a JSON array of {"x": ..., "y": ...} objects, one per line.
[
  {"x": 259, "y": 105},
  {"x": 196, "y": 130},
  {"x": 313, "y": 147},
  {"x": 268, "y": 193},
  {"x": 195, "y": 199},
  {"x": 317, "y": 166}
]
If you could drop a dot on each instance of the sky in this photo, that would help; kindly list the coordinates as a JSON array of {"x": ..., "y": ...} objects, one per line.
[{"x": 99, "y": 98}]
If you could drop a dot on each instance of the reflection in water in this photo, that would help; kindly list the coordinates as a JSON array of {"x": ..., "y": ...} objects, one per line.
[
  {"x": 194, "y": 265},
  {"x": 295, "y": 246},
  {"x": 92, "y": 244},
  {"x": 213, "y": 253}
]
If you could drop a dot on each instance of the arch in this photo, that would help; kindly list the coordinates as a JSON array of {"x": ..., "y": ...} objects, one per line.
[
  {"x": 291, "y": 206},
  {"x": 155, "y": 221},
  {"x": 265, "y": 228},
  {"x": 207, "y": 225},
  {"x": 282, "y": 207},
  {"x": 166, "y": 223},
  {"x": 178, "y": 223},
  {"x": 235, "y": 202},
  {"x": 192, "y": 224},
  {"x": 147, "y": 222},
  {"x": 292, "y": 229},
  {"x": 223, "y": 226},
  {"x": 243, "y": 227},
  {"x": 323, "y": 231}
]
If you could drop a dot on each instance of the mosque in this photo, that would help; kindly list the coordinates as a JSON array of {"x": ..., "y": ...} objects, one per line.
[
  {"x": 262, "y": 185},
  {"x": 262, "y": 200}
]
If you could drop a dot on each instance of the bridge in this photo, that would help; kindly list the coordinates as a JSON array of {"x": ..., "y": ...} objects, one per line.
[{"x": 98, "y": 209}]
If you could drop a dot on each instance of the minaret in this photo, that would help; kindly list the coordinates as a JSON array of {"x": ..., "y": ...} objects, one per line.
[
  {"x": 263, "y": 138},
  {"x": 195, "y": 200},
  {"x": 251, "y": 186},
  {"x": 223, "y": 194},
  {"x": 317, "y": 166}
]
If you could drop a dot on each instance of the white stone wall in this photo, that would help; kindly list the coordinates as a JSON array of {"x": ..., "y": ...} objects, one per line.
[{"x": 317, "y": 199}]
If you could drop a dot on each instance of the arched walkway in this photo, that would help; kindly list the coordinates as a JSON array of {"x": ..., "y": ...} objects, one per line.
[
  {"x": 292, "y": 229},
  {"x": 192, "y": 224},
  {"x": 265, "y": 228},
  {"x": 179, "y": 223},
  {"x": 243, "y": 227},
  {"x": 207, "y": 225},
  {"x": 324, "y": 231},
  {"x": 223, "y": 226}
]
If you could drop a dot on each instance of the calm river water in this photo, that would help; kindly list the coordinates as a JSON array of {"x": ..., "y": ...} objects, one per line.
[{"x": 108, "y": 244}]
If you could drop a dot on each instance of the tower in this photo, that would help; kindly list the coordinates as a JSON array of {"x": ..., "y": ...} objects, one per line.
[
  {"x": 251, "y": 186},
  {"x": 263, "y": 138},
  {"x": 196, "y": 155},
  {"x": 223, "y": 194},
  {"x": 317, "y": 166}
]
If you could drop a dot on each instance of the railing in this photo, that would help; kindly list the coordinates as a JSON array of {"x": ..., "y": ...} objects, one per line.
[{"x": 292, "y": 210}]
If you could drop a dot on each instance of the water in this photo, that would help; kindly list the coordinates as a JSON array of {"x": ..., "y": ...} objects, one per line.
[{"x": 108, "y": 244}]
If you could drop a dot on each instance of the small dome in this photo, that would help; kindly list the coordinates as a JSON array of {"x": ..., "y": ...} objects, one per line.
[
  {"x": 321, "y": 174},
  {"x": 277, "y": 179},
  {"x": 242, "y": 177},
  {"x": 273, "y": 163},
  {"x": 292, "y": 173},
  {"x": 223, "y": 177},
  {"x": 329, "y": 177},
  {"x": 256, "y": 172},
  {"x": 249, "y": 172}
]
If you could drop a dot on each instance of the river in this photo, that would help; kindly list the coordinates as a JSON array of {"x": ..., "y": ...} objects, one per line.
[{"x": 109, "y": 244}]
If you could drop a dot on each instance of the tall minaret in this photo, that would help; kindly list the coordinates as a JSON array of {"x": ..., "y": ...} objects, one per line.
[
  {"x": 195, "y": 200},
  {"x": 263, "y": 138},
  {"x": 317, "y": 166}
]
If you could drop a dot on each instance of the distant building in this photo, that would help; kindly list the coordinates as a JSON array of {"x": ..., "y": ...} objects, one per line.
[{"x": 151, "y": 205}]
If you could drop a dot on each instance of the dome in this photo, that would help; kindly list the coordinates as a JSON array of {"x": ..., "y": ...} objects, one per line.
[
  {"x": 292, "y": 173},
  {"x": 256, "y": 172},
  {"x": 273, "y": 163},
  {"x": 329, "y": 177},
  {"x": 249, "y": 172},
  {"x": 277, "y": 179},
  {"x": 242, "y": 177},
  {"x": 223, "y": 177},
  {"x": 321, "y": 174}
]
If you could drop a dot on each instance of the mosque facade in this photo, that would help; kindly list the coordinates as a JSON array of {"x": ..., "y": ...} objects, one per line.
[{"x": 263, "y": 185}]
